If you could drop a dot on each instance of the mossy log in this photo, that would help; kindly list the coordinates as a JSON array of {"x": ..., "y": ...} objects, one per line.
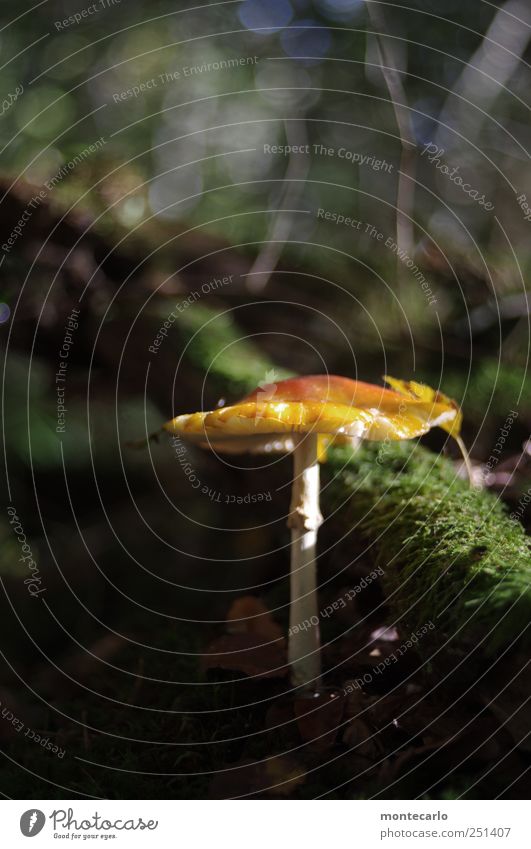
[{"x": 450, "y": 554}]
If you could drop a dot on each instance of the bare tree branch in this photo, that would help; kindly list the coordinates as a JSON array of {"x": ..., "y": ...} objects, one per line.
[
  {"x": 490, "y": 68},
  {"x": 406, "y": 176},
  {"x": 293, "y": 187}
]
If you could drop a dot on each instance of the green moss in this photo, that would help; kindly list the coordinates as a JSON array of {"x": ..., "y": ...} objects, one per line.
[
  {"x": 451, "y": 554},
  {"x": 218, "y": 347},
  {"x": 494, "y": 388}
]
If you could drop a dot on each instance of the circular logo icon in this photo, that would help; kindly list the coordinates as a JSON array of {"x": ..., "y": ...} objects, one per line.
[{"x": 31, "y": 822}]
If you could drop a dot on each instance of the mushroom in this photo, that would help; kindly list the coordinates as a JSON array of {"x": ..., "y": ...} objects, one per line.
[{"x": 301, "y": 415}]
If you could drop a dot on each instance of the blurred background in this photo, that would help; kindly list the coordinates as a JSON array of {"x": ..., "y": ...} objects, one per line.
[{"x": 195, "y": 201}]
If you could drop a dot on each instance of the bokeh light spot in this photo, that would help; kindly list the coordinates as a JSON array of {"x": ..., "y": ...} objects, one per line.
[
  {"x": 306, "y": 41},
  {"x": 5, "y": 312},
  {"x": 265, "y": 18},
  {"x": 340, "y": 10}
]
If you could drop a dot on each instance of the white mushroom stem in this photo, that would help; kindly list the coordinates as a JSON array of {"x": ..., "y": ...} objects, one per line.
[{"x": 304, "y": 645}]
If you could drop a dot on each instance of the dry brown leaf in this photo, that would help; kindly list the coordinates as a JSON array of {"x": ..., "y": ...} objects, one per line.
[
  {"x": 248, "y": 654},
  {"x": 357, "y": 735},
  {"x": 276, "y": 777},
  {"x": 318, "y": 718},
  {"x": 249, "y": 615}
]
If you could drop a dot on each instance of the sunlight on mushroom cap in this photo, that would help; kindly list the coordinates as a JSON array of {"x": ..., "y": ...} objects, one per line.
[{"x": 265, "y": 420}]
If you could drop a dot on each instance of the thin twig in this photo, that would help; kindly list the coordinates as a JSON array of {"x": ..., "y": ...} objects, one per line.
[
  {"x": 293, "y": 187},
  {"x": 406, "y": 175},
  {"x": 486, "y": 74}
]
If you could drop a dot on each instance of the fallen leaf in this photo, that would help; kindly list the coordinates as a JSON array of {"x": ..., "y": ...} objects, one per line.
[
  {"x": 249, "y": 615},
  {"x": 357, "y": 735},
  {"x": 247, "y": 654},
  {"x": 278, "y": 776},
  {"x": 14, "y": 714},
  {"x": 280, "y": 714},
  {"x": 81, "y": 666},
  {"x": 506, "y": 693},
  {"x": 319, "y": 716}
]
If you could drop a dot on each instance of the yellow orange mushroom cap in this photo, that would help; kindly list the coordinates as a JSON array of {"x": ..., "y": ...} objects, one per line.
[{"x": 267, "y": 418}]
